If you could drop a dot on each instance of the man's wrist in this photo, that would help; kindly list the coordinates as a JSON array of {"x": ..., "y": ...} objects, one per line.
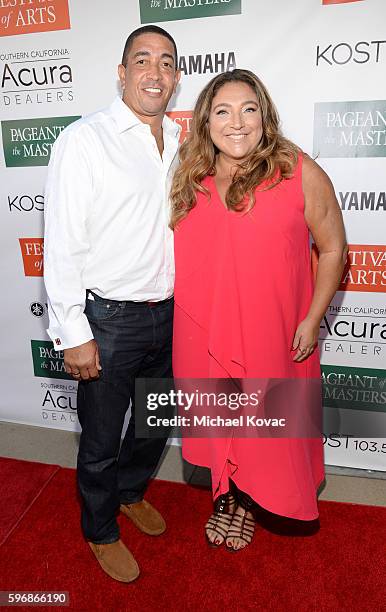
[{"x": 70, "y": 335}]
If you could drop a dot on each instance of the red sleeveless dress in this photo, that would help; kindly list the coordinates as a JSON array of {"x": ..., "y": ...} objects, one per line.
[{"x": 243, "y": 284}]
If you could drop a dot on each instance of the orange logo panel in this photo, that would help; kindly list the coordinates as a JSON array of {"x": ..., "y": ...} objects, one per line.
[
  {"x": 339, "y": 1},
  {"x": 184, "y": 119},
  {"x": 32, "y": 252},
  {"x": 365, "y": 269},
  {"x": 28, "y": 16}
]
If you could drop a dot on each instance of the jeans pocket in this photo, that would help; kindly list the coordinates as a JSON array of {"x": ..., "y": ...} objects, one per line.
[{"x": 99, "y": 309}]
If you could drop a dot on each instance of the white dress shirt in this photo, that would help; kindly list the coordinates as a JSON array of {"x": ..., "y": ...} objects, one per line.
[{"x": 106, "y": 217}]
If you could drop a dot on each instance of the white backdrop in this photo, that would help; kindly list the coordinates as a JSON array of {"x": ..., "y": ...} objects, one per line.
[{"x": 323, "y": 63}]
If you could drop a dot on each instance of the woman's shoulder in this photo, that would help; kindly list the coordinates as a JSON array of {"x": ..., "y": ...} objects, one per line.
[{"x": 312, "y": 173}]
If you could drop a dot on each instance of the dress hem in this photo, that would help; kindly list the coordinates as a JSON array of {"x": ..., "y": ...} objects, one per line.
[{"x": 265, "y": 506}]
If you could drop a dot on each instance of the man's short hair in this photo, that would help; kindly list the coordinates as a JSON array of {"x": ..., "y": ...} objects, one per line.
[{"x": 148, "y": 29}]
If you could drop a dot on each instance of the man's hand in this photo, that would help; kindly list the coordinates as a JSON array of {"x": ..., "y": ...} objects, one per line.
[{"x": 82, "y": 362}]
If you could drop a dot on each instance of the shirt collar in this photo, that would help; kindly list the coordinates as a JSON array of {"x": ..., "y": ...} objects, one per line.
[
  {"x": 171, "y": 127},
  {"x": 126, "y": 119}
]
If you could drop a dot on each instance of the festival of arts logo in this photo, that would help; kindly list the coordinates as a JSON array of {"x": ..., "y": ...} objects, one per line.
[
  {"x": 28, "y": 142},
  {"x": 183, "y": 119},
  {"x": 28, "y": 16},
  {"x": 172, "y": 10},
  {"x": 32, "y": 250},
  {"x": 354, "y": 388},
  {"x": 47, "y": 362},
  {"x": 365, "y": 269},
  {"x": 350, "y": 129}
]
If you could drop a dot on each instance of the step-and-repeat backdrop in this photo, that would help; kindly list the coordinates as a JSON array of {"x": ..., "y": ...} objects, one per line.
[{"x": 324, "y": 63}]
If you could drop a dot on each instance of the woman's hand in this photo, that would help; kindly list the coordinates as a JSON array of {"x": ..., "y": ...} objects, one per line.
[{"x": 305, "y": 339}]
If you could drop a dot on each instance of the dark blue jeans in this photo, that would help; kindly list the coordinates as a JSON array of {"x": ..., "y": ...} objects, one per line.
[{"x": 134, "y": 340}]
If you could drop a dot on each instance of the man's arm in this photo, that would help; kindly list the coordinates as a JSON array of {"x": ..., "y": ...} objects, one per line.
[{"x": 68, "y": 199}]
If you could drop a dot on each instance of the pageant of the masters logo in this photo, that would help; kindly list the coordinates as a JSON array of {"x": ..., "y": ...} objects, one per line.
[
  {"x": 172, "y": 10},
  {"x": 47, "y": 362},
  {"x": 28, "y": 142},
  {"x": 354, "y": 388},
  {"x": 350, "y": 129},
  {"x": 28, "y": 16}
]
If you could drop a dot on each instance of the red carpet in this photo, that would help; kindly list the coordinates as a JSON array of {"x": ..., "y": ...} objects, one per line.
[
  {"x": 341, "y": 567},
  {"x": 21, "y": 483}
]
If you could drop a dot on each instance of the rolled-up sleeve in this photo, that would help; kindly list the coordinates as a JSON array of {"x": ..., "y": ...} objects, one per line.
[{"x": 68, "y": 202}]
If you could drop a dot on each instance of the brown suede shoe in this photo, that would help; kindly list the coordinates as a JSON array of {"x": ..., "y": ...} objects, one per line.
[
  {"x": 116, "y": 560},
  {"x": 145, "y": 517}
]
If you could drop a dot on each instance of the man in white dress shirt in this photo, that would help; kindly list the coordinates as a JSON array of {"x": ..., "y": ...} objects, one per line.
[{"x": 109, "y": 275}]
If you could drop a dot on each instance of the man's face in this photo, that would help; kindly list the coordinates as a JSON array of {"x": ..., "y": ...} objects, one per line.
[{"x": 150, "y": 76}]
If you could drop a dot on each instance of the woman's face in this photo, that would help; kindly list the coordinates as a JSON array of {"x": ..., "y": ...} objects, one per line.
[{"x": 235, "y": 123}]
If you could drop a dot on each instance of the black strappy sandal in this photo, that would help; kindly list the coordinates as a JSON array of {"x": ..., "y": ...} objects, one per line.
[
  {"x": 221, "y": 519},
  {"x": 242, "y": 526}
]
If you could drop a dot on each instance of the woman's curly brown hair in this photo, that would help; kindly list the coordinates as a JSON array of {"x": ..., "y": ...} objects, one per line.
[{"x": 273, "y": 159}]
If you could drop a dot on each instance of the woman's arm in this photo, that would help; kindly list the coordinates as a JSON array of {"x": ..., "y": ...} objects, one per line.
[{"x": 324, "y": 219}]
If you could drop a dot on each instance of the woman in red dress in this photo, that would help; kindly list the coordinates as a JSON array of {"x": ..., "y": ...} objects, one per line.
[{"x": 244, "y": 200}]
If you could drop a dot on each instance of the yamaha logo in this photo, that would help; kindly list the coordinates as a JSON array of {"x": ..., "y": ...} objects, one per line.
[
  {"x": 211, "y": 63},
  {"x": 37, "y": 309},
  {"x": 363, "y": 200}
]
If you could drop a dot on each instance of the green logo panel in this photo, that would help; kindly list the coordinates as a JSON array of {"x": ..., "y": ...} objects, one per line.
[
  {"x": 48, "y": 363},
  {"x": 172, "y": 10},
  {"x": 350, "y": 129},
  {"x": 28, "y": 142},
  {"x": 354, "y": 388}
]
